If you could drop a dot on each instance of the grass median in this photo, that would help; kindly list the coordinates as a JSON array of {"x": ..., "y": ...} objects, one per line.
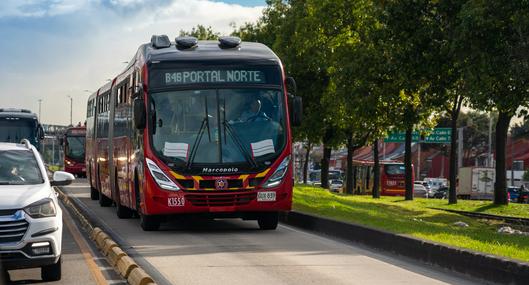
[{"x": 415, "y": 218}]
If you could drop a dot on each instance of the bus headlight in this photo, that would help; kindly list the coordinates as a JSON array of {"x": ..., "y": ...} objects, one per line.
[
  {"x": 161, "y": 179},
  {"x": 278, "y": 175},
  {"x": 41, "y": 209}
]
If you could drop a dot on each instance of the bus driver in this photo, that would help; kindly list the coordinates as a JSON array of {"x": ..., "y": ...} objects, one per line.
[{"x": 254, "y": 113}]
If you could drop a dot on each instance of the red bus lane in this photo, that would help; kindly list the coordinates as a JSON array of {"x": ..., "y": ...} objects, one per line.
[
  {"x": 201, "y": 251},
  {"x": 197, "y": 128}
]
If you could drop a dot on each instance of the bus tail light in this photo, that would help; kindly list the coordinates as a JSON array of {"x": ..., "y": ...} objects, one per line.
[
  {"x": 278, "y": 175},
  {"x": 161, "y": 179}
]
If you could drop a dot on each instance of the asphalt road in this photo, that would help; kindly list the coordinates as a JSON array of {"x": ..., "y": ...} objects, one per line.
[
  {"x": 236, "y": 252},
  {"x": 82, "y": 263}
]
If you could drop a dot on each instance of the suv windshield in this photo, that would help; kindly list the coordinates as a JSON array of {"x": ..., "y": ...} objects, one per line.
[
  {"x": 75, "y": 148},
  {"x": 213, "y": 126},
  {"x": 19, "y": 167}
]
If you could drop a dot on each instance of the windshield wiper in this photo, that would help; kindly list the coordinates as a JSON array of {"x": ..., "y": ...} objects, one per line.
[
  {"x": 248, "y": 156},
  {"x": 196, "y": 144}
]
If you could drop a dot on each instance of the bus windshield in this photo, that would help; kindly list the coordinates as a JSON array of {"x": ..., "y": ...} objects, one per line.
[
  {"x": 213, "y": 126},
  {"x": 16, "y": 130},
  {"x": 394, "y": 169},
  {"x": 75, "y": 148}
]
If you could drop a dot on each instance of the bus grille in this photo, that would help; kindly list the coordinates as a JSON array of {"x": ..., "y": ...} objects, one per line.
[
  {"x": 12, "y": 231},
  {"x": 224, "y": 199}
]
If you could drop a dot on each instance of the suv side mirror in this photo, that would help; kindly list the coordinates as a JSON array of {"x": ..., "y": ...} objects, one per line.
[
  {"x": 139, "y": 115},
  {"x": 290, "y": 83},
  {"x": 61, "y": 178}
]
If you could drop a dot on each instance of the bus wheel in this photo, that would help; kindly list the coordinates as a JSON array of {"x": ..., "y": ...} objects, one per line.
[
  {"x": 94, "y": 194},
  {"x": 268, "y": 221},
  {"x": 104, "y": 201},
  {"x": 123, "y": 212},
  {"x": 149, "y": 222}
]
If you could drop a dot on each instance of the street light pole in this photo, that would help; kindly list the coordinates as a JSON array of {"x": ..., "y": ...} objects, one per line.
[
  {"x": 71, "y": 109},
  {"x": 40, "y": 102}
]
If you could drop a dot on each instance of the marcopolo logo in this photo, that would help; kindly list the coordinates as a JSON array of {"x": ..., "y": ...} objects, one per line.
[{"x": 219, "y": 170}]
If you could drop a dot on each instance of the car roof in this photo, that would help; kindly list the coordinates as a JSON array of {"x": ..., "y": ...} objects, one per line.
[{"x": 13, "y": 146}]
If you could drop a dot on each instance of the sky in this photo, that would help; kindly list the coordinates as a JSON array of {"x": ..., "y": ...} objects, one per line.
[{"x": 54, "y": 50}]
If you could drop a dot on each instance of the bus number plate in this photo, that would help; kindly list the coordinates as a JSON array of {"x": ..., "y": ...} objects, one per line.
[
  {"x": 176, "y": 201},
  {"x": 268, "y": 196}
]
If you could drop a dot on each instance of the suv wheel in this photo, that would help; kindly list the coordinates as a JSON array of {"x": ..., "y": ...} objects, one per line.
[{"x": 51, "y": 272}]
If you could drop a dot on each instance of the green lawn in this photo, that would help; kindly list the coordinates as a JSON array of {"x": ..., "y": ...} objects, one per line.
[
  {"x": 417, "y": 219},
  {"x": 486, "y": 207}
]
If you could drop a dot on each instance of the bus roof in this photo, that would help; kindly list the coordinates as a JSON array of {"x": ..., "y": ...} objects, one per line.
[
  {"x": 211, "y": 51},
  {"x": 18, "y": 113}
]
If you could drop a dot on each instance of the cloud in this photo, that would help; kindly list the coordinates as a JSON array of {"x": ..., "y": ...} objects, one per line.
[
  {"x": 36, "y": 8},
  {"x": 51, "y": 49}
]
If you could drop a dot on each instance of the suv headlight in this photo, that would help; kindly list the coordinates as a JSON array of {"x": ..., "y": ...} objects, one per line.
[
  {"x": 41, "y": 209},
  {"x": 277, "y": 176},
  {"x": 161, "y": 179}
]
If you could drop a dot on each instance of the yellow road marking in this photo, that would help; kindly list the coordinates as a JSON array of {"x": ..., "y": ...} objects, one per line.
[{"x": 85, "y": 250}]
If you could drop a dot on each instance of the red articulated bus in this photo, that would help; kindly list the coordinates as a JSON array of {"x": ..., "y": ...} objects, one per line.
[
  {"x": 194, "y": 127},
  {"x": 73, "y": 142}
]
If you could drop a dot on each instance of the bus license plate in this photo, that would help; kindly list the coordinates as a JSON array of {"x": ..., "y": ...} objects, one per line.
[
  {"x": 176, "y": 201},
  {"x": 268, "y": 196}
]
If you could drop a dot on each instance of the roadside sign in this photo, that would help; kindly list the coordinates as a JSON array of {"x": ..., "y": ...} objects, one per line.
[{"x": 437, "y": 135}]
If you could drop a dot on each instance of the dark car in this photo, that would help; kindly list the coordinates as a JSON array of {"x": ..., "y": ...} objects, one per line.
[
  {"x": 517, "y": 195},
  {"x": 441, "y": 193}
]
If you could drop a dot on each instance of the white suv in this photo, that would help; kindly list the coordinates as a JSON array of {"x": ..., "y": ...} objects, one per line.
[{"x": 30, "y": 216}]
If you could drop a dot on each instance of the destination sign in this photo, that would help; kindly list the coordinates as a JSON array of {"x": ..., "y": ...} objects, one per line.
[{"x": 214, "y": 76}]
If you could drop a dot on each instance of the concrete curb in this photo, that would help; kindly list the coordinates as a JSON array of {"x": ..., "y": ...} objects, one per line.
[
  {"x": 478, "y": 265},
  {"x": 116, "y": 257}
]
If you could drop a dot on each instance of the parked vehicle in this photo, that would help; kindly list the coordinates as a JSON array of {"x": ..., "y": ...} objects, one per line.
[
  {"x": 516, "y": 195},
  {"x": 476, "y": 183},
  {"x": 441, "y": 193},
  {"x": 336, "y": 185},
  {"x": 30, "y": 216},
  {"x": 436, "y": 183},
  {"x": 427, "y": 186},
  {"x": 420, "y": 191}
]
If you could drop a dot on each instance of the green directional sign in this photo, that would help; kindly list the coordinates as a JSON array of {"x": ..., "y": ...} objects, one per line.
[{"x": 437, "y": 135}]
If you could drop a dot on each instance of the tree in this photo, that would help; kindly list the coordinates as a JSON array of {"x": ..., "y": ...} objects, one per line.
[
  {"x": 493, "y": 41},
  {"x": 411, "y": 40},
  {"x": 201, "y": 32}
]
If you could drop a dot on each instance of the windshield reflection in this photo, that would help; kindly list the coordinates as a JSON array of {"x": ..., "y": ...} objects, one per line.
[
  {"x": 218, "y": 125},
  {"x": 19, "y": 167},
  {"x": 75, "y": 148}
]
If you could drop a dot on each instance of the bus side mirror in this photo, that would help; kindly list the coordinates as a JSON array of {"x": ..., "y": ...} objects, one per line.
[
  {"x": 292, "y": 88},
  {"x": 138, "y": 91},
  {"x": 61, "y": 141},
  {"x": 139, "y": 115},
  {"x": 40, "y": 132},
  {"x": 296, "y": 111}
]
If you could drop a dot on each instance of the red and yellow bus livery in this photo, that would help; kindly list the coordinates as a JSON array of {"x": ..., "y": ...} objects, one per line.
[{"x": 194, "y": 127}]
